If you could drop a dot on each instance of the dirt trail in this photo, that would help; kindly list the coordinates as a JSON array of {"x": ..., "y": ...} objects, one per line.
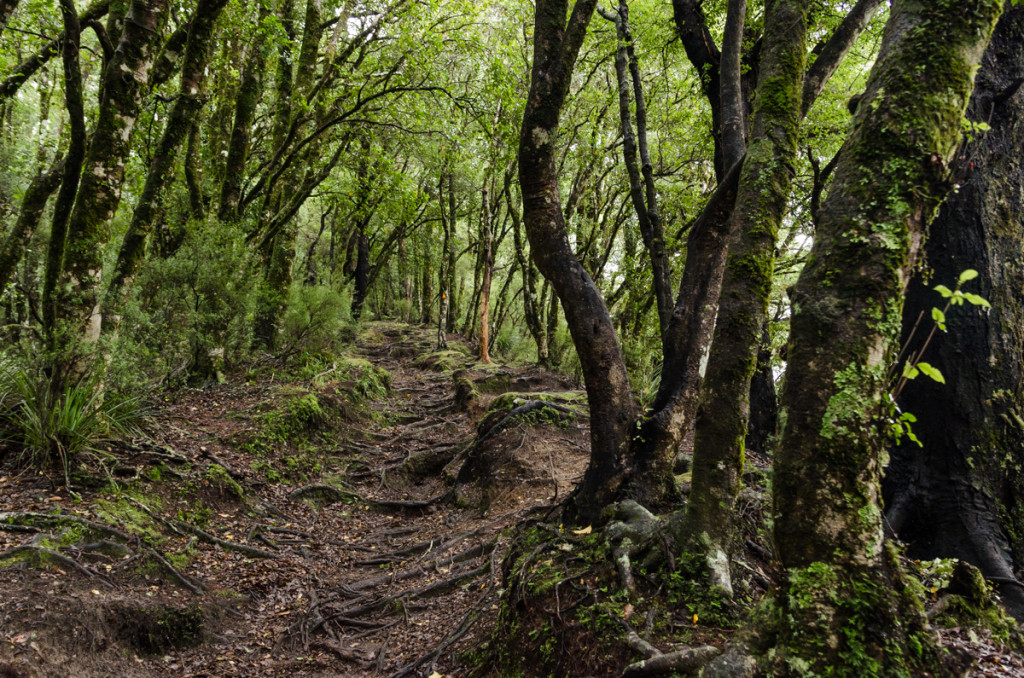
[{"x": 360, "y": 577}]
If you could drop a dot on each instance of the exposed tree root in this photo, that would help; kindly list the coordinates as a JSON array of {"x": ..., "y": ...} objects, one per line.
[
  {"x": 425, "y": 591},
  {"x": 223, "y": 543},
  {"x": 23, "y": 519},
  {"x": 354, "y": 590},
  {"x": 44, "y": 556},
  {"x": 185, "y": 582},
  {"x": 682, "y": 661},
  {"x": 420, "y": 547},
  {"x": 460, "y": 630}
]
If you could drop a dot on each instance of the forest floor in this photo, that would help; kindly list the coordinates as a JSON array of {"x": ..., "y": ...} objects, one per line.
[{"x": 301, "y": 523}]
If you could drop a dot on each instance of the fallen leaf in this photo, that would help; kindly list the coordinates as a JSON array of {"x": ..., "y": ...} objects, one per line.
[{"x": 586, "y": 530}]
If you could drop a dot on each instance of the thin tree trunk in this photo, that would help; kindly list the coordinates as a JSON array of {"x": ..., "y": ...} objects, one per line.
[
  {"x": 72, "y": 168},
  {"x": 33, "y": 204},
  {"x": 843, "y": 589},
  {"x": 485, "y": 284},
  {"x": 241, "y": 131},
  {"x": 641, "y": 188},
  {"x": 30, "y": 66}
]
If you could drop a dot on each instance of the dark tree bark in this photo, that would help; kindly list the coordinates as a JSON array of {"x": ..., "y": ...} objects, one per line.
[
  {"x": 761, "y": 203},
  {"x": 124, "y": 81},
  {"x": 688, "y": 341},
  {"x": 33, "y": 203},
  {"x": 764, "y": 401},
  {"x": 734, "y": 126},
  {"x": 72, "y": 167},
  {"x": 27, "y": 68},
  {"x": 612, "y": 411},
  {"x": 961, "y": 495},
  {"x": 844, "y": 589},
  {"x": 180, "y": 122}
]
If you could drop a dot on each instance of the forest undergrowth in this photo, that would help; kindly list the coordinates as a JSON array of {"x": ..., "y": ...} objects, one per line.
[{"x": 370, "y": 517}]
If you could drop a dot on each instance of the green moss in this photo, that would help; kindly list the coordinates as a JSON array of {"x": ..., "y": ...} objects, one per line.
[{"x": 218, "y": 477}]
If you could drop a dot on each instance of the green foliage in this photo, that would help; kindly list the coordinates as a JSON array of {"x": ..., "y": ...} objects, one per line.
[
  {"x": 188, "y": 312},
  {"x": 53, "y": 425},
  {"x": 318, "y": 319}
]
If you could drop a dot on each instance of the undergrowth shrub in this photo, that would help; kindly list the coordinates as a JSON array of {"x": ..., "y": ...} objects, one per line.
[
  {"x": 189, "y": 312},
  {"x": 318, "y": 319},
  {"x": 51, "y": 423}
]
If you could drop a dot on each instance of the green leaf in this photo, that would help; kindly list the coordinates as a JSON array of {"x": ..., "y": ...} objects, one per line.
[
  {"x": 944, "y": 291},
  {"x": 977, "y": 300},
  {"x": 909, "y": 371},
  {"x": 968, "y": 275},
  {"x": 932, "y": 372},
  {"x": 910, "y": 434},
  {"x": 907, "y": 416},
  {"x": 939, "y": 317}
]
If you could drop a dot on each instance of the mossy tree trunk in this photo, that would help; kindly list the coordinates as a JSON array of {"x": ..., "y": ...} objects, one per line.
[
  {"x": 241, "y": 131},
  {"x": 962, "y": 494},
  {"x": 33, "y": 203},
  {"x": 180, "y": 123},
  {"x": 72, "y": 168},
  {"x": 689, "y": 337},
  {"x": 843, "y": 591},
  {"x": 124, "y": 81},
  {"x": 761, "y": 203}
]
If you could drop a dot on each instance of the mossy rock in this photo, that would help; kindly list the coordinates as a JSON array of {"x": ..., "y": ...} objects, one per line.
[
  {"x": 369, "y": 381},
  {"x": 575, "y": 401},
  {"x": 219, "y": 478},
  {"x": 442, "y": 361}
]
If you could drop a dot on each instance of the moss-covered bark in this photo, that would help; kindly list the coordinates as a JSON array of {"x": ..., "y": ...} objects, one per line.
[
  {"x": 241, "y": 131},
  {"x": 124, "y": 80},
  {"x": 761, "y": 201},
  {"x": 179, "y": 123},
  {"x": 889, "y": 180},
  {"x": 962, "y": 494}
]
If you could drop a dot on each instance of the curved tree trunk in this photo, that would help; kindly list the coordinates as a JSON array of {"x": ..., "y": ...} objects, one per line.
[
  {"x": 962, "y": 494},
  {"x": 33, "y": 203},
  {"x": 843, "y": 588},
  {"x": 612, "y": 411}
]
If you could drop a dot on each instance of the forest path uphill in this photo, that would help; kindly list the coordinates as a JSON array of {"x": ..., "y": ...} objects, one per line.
[{"x": 345, "y": 518}]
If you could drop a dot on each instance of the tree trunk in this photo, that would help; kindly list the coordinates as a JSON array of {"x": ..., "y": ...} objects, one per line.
[
  {"x": 33, "y": 203},
  {"x": 99, "y": 194},
  {"x": 72, "y": 169},
  {"x": 30, "y": 66},
  {"x": 843, "y": 590},
  {"x": 612, "y": 410},
  {"x": 961, "y": 495},
  {"x": 180, "y": 121},
  {"x": 689, "y": 337},
  {"x": 241, "y": 130},
  {"x": 642, "y": 191},
  {"x": 487, "y": 256},
  {"x": 761, "y": 202}
]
